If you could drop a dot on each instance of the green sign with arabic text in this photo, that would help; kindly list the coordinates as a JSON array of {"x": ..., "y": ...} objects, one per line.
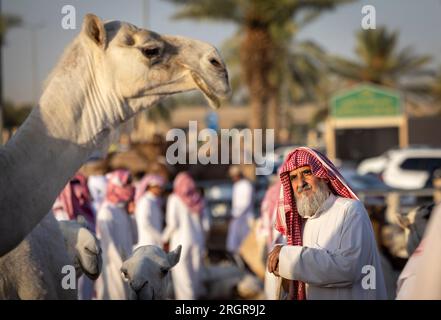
[{"x": 366, "y": 101}]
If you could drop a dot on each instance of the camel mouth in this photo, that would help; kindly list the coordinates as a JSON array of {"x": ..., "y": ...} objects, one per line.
[
  {"x": 94, "y": 272},
  {"x": 138, "y": 292},
  {"x": 213, "y": 99},
  {"x": 92, "y": 276}
]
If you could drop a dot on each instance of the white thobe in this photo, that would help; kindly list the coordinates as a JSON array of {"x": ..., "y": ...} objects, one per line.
[
  {"x": 188, "y": 229},
  {"x": 149, "y": 219},
  {"x": 339, "y": 258},
  {"x": 241, "y": 212},
  {"x": 114, "y": 230},
  {"x": 97, "y": 186}
]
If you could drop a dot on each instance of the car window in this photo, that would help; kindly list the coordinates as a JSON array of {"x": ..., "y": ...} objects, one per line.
[
  {"x": 433, "y": 164},
  {"x": 421, "y": 164},
  {"x": 411, "y": 164}
]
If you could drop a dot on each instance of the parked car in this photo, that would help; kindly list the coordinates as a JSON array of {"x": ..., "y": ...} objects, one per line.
[
  {"x": 408, "y": 169},
  {"x": 374, "y": 165},
  {"x": 219, "y": 194},
  {"x": 365, "y": 183}
]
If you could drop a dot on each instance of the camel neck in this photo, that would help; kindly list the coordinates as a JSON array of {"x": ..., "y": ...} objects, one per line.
[
  {"x": 47, "y": 150},
  {"x": 34, "y": 166}
]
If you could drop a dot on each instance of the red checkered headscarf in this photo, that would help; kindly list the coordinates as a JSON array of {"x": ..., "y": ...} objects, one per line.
[
  {"x": 119, "y": 189},
  {"x": 75, "y": 200},
  {"x": 149, "y": 180},
  {"x": 185, "y": 188},
  {"x": 288, "y": 221}
]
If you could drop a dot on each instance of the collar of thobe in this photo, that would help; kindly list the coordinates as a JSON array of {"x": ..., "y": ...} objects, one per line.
[
  {"x": 324, "y": 207},
  {"x": 120, "y": 205},
  {"x": 150, "y": 195}
]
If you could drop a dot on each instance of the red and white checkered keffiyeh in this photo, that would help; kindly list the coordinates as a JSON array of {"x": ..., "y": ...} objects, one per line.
[
  {"x": 185, "y": 188},
  {"x": 288, "y": 221},
  {"x": 119, "y": 189},
  {"x": 75, "y": 200},
  {"x": 148, "y": 181}
]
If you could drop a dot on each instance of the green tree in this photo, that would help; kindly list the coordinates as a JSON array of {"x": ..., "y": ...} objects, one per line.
[
  {"x": 265, "y": 33},
  {"x": 380, "y": 61},
  {"x": 430, "y": 92}
]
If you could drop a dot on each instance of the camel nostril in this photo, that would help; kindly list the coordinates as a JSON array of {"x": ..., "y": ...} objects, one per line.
[{"x": 138, "y": 288}]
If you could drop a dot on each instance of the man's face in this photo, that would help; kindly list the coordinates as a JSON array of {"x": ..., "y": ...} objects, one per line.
[
  {"x": 303, "y": 182},
  {"x": 156, "y": 190}
]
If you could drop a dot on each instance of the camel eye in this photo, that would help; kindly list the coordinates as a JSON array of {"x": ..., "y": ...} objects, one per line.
[
  {"x": 151, "y": 52},
  {"x": 124, "y": 275}
]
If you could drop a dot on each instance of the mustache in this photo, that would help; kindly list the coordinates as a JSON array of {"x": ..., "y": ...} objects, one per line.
[{"x": 304, "y": 187}]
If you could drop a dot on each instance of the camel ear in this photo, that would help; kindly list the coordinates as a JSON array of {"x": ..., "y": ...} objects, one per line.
[
  {"x": 93, "y": 28},
  {"x": 174, "y": 256}
]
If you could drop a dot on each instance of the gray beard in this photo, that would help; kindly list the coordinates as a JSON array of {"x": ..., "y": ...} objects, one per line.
[{"x": 308, "y": 206}]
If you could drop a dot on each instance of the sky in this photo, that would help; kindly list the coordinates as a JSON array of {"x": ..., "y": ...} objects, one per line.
[{"x": 32, "y": 50}]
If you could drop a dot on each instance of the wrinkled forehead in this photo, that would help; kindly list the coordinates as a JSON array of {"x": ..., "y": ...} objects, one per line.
[
  {"x": 300, "y": 170},
  {"x": 298, "y": 159},
  {"x": 128, "y": 33}
]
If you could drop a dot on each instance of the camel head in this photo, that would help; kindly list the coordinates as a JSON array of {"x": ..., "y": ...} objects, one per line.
[
  {"x": 147, "y": 272},
  {"x": 83, "y": 248},
  {"x": 140, "y": 67}
]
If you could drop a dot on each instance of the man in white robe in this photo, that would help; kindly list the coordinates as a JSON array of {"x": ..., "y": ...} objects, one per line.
[
  {"x": 187, "y": 223},
  {"x": 148, "y": 212},
  {"x": 115, "y": 232},
  {"x": 241, "y": 210},
  {"x": 97, "y": 186},
  {"x": 331, "y": 251}
]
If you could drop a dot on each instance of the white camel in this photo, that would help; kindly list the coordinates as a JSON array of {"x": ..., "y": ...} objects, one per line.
[
  {"x": 110, "y": 72},
  {"x": 83, "y": 249},
  {"x": 32, "y": 269},
  {"x": 147, "y": 272}
]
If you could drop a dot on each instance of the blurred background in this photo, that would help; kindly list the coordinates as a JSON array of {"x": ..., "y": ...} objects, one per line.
[{"x": 369, "y": 99}]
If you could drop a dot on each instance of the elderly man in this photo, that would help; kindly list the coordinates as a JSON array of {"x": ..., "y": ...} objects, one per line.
[{"x": 331, "y": 251}]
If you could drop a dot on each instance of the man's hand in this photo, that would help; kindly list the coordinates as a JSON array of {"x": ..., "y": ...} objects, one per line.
[{"x": 273, "y": 260}]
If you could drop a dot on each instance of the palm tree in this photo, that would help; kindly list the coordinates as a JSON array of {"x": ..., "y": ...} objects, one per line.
[
  {"x": 266, "y": 29},
  {"x": 430, "y": 91},
  {"x": 380, "y": 61},
  {"x": 303, "y": 78}
]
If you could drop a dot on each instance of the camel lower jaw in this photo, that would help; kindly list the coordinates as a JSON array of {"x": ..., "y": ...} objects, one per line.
[
  {"x": 92, "y": 276},
  {"x": 213, "y": 100}
]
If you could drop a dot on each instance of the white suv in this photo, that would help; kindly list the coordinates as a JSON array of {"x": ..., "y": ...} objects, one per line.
[{"x": 410, "y": 168}]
